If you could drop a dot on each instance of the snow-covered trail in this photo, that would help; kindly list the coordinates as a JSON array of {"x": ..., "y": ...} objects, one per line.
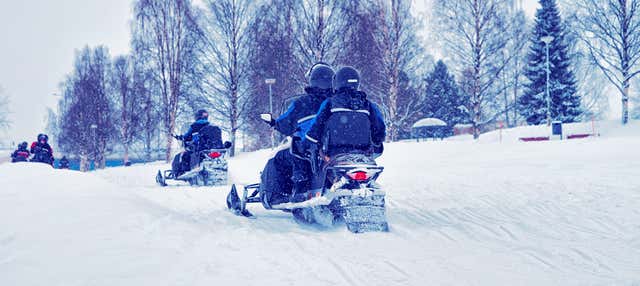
[{"x": 461, "y": 213}]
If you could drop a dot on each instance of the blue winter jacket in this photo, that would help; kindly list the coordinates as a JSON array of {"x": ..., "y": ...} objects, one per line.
[
  {"x": 195, "y": 127},
  {"x": 297, "y": 119},
  {"x": 346, "y": 122}
]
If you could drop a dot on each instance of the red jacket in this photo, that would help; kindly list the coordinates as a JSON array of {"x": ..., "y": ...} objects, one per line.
[{"x": 38, "y": 144}]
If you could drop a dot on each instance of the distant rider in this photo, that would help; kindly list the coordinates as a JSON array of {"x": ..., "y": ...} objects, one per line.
[
  {"x": 201, "y": 136},
  {"x": 39, "y": 146},
  {"x": 21, "y": 154},
  {"x": 64, "y": 163}
]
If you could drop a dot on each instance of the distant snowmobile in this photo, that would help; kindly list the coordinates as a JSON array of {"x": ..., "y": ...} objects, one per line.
[
  {"x": 207, "y": 167},
  {"x": 42, "y": 155},
  {"x": 21, "y": 154},
  {"x": 346, "y": 190}
]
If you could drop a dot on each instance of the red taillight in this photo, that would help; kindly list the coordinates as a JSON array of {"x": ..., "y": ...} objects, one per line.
[
  {"x": 359, "y": 176},
  {"x": 214, "y": 155}
]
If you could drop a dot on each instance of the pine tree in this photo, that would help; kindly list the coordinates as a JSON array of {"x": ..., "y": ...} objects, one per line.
[
  {"x": 565, "y": 102},
  {"x": 444, "y": 100}
]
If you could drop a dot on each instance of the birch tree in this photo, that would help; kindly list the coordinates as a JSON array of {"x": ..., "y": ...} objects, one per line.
[
  {"x": 611, "y": 32},
  {"x": 316, "y": 27},
  {"x": 87, "y": 124},
  {"x": 165, "y": 27},
  {"x": 473, "y": 35},
  {"x": 224, "y": 55},
  {"x": 400, "y": 99},
  {"x": 129, "y": 102}
]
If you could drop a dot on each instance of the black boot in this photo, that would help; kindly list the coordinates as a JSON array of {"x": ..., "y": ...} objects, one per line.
[{"x": 300, "y": 189}]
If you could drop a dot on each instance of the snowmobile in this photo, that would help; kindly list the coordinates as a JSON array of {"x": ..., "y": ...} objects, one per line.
[
  {"x": 207, "y": 167},
  {"x": 344, "y": 190},
  {"x": 42, "y": 155}
]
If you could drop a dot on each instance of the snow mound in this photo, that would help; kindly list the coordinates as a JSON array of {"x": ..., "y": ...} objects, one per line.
[
  {"x": 597, "y": 129},
  {"x": 428, "y": 122}
]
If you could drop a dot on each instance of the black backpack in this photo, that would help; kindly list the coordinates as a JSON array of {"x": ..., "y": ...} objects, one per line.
[
  {"x": 209, "y": 137},
  {"x": 347, "y": 129}
]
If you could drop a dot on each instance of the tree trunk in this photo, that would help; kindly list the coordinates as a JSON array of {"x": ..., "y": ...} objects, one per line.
[
  {"x": 125, "y": 131},
  {"x": 84, "y": 163},
  {"x": 125, "y": 158},
  {"x": 515, "y": 93},
  {"x": 147, "y": 147},
  {"x": 232, "y": 137},
  {"x": 102, "y": 162},
  {"x": 476, "y": 120},
  {"x": 170, "y": 128},
  {"x": 625, "y": 103},
  {"x": 167, "y": 154},
  {"x": 393, "y": 98}
]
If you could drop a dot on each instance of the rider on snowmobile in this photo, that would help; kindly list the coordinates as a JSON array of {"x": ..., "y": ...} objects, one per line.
[
  {"x": 64, "y": 163},
  {"x": 284, "y": 168},
  {"x": 211, "y": 139},
  {"x": 39, "y": 146},
  {"x": 347, "y": 122},
  {"x": 21, "y": 154}
]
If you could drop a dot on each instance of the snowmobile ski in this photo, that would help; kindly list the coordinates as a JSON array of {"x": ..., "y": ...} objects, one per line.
[
  {"x": 160, "y": 179},
  {"x": 237, "y": 205}
]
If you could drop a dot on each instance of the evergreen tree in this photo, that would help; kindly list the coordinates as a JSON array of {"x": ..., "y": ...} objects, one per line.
[
  {"x": 444, "y": 100},
  {"x": 565, "y": 102}
]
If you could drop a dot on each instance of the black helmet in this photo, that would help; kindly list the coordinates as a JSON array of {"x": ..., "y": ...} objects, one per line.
[
  {"x": 346, "y": 78},
  {"x": 42, "y": 137},
  {"x": 320, "y": 76},
  {"x": 23, "y": 145},
  {"x": 202, "y": 114}
]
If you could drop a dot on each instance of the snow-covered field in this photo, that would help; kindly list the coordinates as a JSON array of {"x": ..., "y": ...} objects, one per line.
[
  {"x": 461, "y": 213},
  {"x": 5, "y": 156}
]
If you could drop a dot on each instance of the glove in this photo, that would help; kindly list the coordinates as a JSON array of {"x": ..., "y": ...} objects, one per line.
[
  {"x": 271, "y": 123},
  {"x": 308, "y": 146},
  {"x": 268, "y": 119},
  {"x": 378, "y": 149}
]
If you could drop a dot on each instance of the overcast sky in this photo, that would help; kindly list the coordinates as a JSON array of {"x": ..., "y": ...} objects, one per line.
[{"x": 37, "y": 46}]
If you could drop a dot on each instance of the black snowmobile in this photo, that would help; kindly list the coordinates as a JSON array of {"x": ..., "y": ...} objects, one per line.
[
  {"x": 42, "y": 155},
  {"x": 207, "y": 167},
  {"x": 344, "y": 190}
]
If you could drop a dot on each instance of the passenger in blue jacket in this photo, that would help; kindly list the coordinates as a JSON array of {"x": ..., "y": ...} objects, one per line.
[
  {"x": 285, "y": 172},
  {"x": 347, "y": 122}
]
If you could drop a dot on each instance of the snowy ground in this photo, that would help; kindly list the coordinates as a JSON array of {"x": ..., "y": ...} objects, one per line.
[
  {"x": 461, "y": 213},
  {"x": 5, "y": 156}
]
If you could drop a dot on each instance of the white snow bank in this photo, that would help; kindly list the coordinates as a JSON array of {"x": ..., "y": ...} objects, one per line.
[
  {"x": 597, "y": 128},
  {"x": 461, "y": 213},
  {"x": 5, "y": 156},
  {"x": 427, "y": 122}
]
